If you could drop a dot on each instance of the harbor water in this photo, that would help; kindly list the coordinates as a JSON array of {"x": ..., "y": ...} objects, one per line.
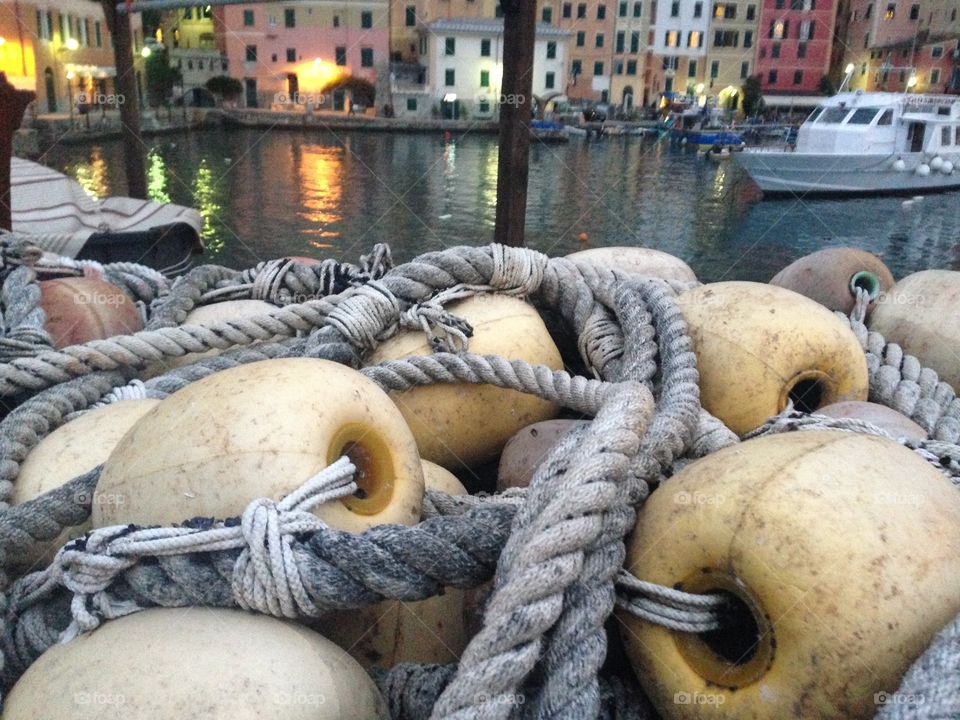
[{"x": 265, "y": 194}]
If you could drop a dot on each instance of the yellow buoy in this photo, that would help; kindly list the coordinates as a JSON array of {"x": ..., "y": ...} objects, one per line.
[
  {"x": 760, "y": 346},
  {"x": 459, "y": 425},
  {"x": 643, "y": 262},
  {"x": 427, "y": 631},
  {"x": 921, "y": 315},
  {"x": 841, "y": 553},
  {"x": 202, "y": 663},
  {"x": 262, "y": 430},
  {"x": 71, "y": 450}
]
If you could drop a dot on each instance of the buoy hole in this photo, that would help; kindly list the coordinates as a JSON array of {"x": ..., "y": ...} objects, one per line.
[
  {"x": 738, "y": 637},
  {"x": 364, "y": 474},
  {"x": 865, "y": 280},
  {"x": 807, "y": 394}
]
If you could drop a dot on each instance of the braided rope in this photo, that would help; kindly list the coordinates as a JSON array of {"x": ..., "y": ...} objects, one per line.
[{"x": 21, "y": 317}]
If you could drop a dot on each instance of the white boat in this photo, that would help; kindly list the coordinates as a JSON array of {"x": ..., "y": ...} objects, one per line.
[{"x": 866, "y": 143}]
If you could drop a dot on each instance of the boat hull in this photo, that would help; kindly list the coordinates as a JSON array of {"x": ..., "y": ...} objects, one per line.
[{"x": 779, "y": 173}]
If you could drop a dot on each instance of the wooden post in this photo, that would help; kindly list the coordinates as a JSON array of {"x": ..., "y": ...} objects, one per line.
[
  {"x": 13, "y": 103},
  {"x": 126, "y": 87},
  {"x": 519, "y": 32}
]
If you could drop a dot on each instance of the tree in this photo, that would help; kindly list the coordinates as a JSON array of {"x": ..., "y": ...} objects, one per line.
[
  {"x": 227, "y": 88},
  {"x": 361, "y": 91},
  {"x": 826, "y": 86},
  {"x": 161, "y": 78},
  {"x": 752, "y": 102}
]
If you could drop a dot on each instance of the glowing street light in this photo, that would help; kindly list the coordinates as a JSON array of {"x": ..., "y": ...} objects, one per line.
[
  {"x": 912, "y": 82},
  {"x": 699, "y": 89},
  {"x": 849, "y": 68},
  {"x": 146, "y": 52},
  {"x": 3, "y": 41},
  {"x": 72, "y": 44}
]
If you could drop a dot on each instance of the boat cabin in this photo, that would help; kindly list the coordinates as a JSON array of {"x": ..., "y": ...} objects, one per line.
[{"x": 865, "y": 123}]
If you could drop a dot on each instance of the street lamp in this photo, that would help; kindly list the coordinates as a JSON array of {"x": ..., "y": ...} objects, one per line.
[
  {"x": 912, "y": 82},
  {"x": 145, "y": 52},
  {"x": 72, "y": 44}
]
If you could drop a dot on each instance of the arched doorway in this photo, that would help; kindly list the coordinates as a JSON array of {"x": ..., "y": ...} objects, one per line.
[
  {"x": 628, "y": 98},
  {"x": 51, "y": 90}
]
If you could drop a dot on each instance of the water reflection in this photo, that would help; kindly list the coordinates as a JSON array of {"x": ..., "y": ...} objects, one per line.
[
  {"x": 318, "y": 170},
  {"x": 157, "y": 178},
  {"x": 206, "y": 200},
  {"x": 91, "y": 173}
]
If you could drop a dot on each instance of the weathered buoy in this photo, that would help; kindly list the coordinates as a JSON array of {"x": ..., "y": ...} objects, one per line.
[
  {"x": 262, "y": 430},
  {"x": 434, "y": 630},
  {"x": 840, "y": 552},
  {"x": 204, "y": 663},
  {"x": 947, "y": 167},
  {"x": 527, "y": 449},
  {"x": 899, "y": 165},
  {"x": 80, "y": 309},
  {"x": 644, "y": 262},
  {"x": 922, "y": 170},
  {"x": 71, "y": 450},
  {"x": 897, "y": 424},
  {"x": 832, "y": 276},
  {"x": 206, "y": 316},
  {"x": 936, "y": 162},
  {"x": 760, "y": 346},
  {"x": 920, "y": 314},
  {"x": 459, "y": 425}
]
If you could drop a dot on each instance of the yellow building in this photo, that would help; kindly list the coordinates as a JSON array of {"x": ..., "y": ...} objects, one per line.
[
  {"x": 731, "y": 50},
  {"x": 629, "y": 80}
]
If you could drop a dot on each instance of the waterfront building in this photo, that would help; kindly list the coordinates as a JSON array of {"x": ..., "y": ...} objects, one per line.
[
  {"x": 796, "y": 50},
  {"x": 679, "y": 41},
  {"x": 591, "y": 24},
  {"x": 194, "y": 46},
  {"x": 464, "y": 69},
  {"x": 297, "y": 49},
  {"x": 62, "y": 50},
  {"x": 731, "y": 49},
  {"x": 407, "y": 17},
  {"x": 895, "y": 45},
  {"x": 629, "y": 81}
]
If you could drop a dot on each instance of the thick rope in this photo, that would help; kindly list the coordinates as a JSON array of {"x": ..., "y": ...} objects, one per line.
[{"x": 21, "y": 318}]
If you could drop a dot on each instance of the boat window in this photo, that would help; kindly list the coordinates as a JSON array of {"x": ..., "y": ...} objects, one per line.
[
  {"x": 815, "y": 114},
  {"x": 956, "y": 137},
  {"x": 863, "y": 116},
  {"x": 834, "y": 115},
  {"x": 886, "y": 118},
  {"x": 945, "y": 136}
]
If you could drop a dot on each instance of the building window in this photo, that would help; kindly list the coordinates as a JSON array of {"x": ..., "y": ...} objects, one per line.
[
  {"x": 802, "y": 50},
  {"x": 714, "y": 69},
  {"x": 618, "y": 67},
  {"x": 807, "y": 30},
  {"x": 599, "y": 40},
  {"x": 866, "y": 41},
  {"x": 411, "y": 104},
  {"x": 549, "y": 81},
  {"x": 547, "y": 15},
  {"x": 551, "y": 50},
  {"x": 576, "y": 67},
  {"x": 891, "y": 12},
  {"x": 863, "y": 69},
  {"x": 726, "y": 38},
  {"x": 748, "y": 38},
  {"x": 635, "y": 41},
  {"x": 601, "y": 12},
  {"x": 567, "y": 9},
  {"x": 581, "y": 38},
  {"x": 637, "y": 9},
  {"x": 248, "y": 18},
  {"x": 772, "y": 77},
  {"x": 751, "y": 12},
  {"x": 484, "y": 106},
  {"x": 671, "y": 38},
  {"x": 291, "y": 54},
  {"x": 63, "y": 28},
  {"x": 868, "y": 12},
  {"x": 631, "y": 67},
  {"x": 336, "y": 21},
  {"x": 936, "y": 51},
  {"x": 449, "y": 77},
  {"x": 775, "y": 50},
  {"x": 251, "y": 53},
  {"x": 697, "y": 9},
  {"x": 450, "y": 46},
  {"x": 623, "y": 9},
  {"x": 581, "y": 11},
  {"x": 423, "y": 45},
  {"x": 692, "y": 68},
  {"x": 778, "y": 29},
  {"x": 485, "y": 48},
  {"x": 915, "y": 12},
  {"x": 411, "y": 21},
  {"x": 744, "y": 70},
  {"x": 366, "y": 19},
  {"x": 366, "y": 57},
  {"x": 289, "y": 17},
  {"x": 670, "y": 62},
  {"x": 598, "y": 68},
  {"x": 694, "y": 39},
  {"x": 798, "y": 77},
  {"x": 621, "y": 41},
  {"x": 935, "y": 76},
  {"x": 675, "y": 8},
  {"x": 190, "y": 63},
  {"x": 779, "y": 4},
  {"x": 485, "y": 78},
  {"x": 341, "y": 55}
]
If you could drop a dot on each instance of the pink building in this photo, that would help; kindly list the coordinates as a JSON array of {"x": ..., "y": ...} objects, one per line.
[
  {"x": 795, "y": 49},
  {"x": 285, "y": 53}
]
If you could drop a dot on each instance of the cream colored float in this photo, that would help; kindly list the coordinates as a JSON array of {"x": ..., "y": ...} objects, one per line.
[
  {"x": 72, "y": 450},
  {"x": 206, "y": 316},
  {"x": 760, "y": 346},
  {"x": 262, "y": 430},
  {"x": 922, "y": 315},
  {"x": 197, "y": 663},
  {"x": 885, "y": 418},
  {"x": 643, "y": 262},
  {"x": 460, "y": 425},
  {"x": 434, "y": 630},
  {"x": 843, "y": 551},
  {"x": 527, "y": 450}
]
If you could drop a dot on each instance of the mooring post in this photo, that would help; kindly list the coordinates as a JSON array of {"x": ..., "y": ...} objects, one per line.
[
  {"x": 126, "y": 87},
  {"x": 13, "y": 103},
  {"x": 516, "y": 101}
]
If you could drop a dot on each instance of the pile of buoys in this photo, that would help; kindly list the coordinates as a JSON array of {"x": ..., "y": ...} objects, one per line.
[{"x": 837, "y": 553}]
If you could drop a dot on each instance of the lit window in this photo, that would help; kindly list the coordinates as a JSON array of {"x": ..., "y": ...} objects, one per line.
[
  {"x": 693, "y": 39},
  {"x": 891, "y": 12},
  {"x": 778, "y": 29},
  {"x": 672, "y": 38}
]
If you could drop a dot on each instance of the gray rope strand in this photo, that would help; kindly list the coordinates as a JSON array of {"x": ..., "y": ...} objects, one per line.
[
  {"x": 21, "y": 318},
  {"x": 673, "y": 609}
]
